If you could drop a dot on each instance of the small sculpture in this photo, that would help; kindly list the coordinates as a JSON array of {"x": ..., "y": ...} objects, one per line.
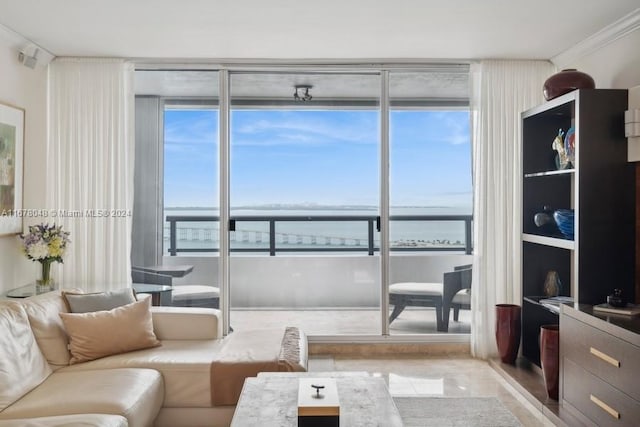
[
  {"x": 562, "y": 158},
  {"x": 318, "y": 388},
  {"x": 552, "y": 285},
  {"x": 616, "y": 299}
]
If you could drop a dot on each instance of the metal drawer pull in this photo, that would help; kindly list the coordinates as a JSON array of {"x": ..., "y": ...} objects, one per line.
[
  {"x": 604, "y": 357},
  {"x": 604, "y": 406}
]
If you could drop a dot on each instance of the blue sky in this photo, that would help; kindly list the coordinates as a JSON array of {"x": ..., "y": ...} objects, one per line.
[{"x": 325, "y": 157}]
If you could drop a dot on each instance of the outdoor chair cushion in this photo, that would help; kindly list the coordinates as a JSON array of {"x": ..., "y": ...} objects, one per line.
[
  {"x": 193, "y": 292},
  {"x": 416, "y": 288},
  {"x": 463, "y": 297}
]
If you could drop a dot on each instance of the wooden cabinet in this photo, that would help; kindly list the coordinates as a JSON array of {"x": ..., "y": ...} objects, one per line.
[
  {"x": 599, "y": 187},
  {"x": 600, "y": 361}
]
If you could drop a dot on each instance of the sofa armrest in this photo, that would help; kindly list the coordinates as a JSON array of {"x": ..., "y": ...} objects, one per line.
[{"x": 186, "y": 323}]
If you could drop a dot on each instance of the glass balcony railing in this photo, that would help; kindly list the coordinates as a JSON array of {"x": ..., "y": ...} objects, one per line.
[{"x": 318, "y": 233}]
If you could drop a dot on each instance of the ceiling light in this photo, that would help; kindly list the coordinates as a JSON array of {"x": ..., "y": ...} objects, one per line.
[
  {"x": 29, "y": 60},
  {"x": 302, "y": 93}
]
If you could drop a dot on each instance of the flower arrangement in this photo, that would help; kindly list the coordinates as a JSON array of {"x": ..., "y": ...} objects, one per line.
[{"x": 45, "y": 244}]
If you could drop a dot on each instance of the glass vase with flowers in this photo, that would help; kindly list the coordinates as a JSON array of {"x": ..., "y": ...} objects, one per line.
[{"x": 45, "y": 244}]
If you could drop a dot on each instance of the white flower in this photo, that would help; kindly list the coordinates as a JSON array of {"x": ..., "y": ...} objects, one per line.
[{"x": 39, "y": 250}]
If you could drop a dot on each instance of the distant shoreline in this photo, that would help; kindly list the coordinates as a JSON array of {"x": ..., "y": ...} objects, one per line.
[{"x": 304, "y": 207}]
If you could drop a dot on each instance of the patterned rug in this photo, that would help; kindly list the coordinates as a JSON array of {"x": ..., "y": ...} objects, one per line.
[{"x": 454, "y": 412}]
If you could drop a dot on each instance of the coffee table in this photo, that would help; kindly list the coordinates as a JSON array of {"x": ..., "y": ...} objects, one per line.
[{"x": 271, "y": 400}]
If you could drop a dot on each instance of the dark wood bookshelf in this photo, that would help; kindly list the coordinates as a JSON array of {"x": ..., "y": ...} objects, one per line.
[{"x": 599, "y": 188}]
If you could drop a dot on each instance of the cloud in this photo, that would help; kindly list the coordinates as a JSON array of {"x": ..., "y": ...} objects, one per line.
[
  {"x": 191, "y": 127},
  {"x": 444, "y": 127},
  {"x": 286, "y": 128}
]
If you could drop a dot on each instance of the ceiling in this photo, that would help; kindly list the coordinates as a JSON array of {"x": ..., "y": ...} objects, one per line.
[
  {"x": 438, "y": 83},
  {"x": 320, "y": 29}
]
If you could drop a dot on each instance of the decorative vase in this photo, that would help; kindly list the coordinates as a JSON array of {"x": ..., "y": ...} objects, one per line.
[
  {"x": 565, "y": 81},
  {"x": 45, "y": 283},
  {"x": 508, "y": 331},
  {"x": 545, "y": 222},
  {"x": 550, "y": 358},
  {"x": 552, "y": 284}
]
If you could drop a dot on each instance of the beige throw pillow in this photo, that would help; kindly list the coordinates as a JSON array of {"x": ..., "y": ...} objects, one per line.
[{"x": 103, "y": 333}]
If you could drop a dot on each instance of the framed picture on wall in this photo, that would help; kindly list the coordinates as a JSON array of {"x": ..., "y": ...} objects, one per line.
[{"x": 11, "y": 166}]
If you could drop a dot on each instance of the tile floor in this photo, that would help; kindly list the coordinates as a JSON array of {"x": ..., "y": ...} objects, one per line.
[
  {"x": 348, "y": 322},
  {"x": 443, "y": 376}
]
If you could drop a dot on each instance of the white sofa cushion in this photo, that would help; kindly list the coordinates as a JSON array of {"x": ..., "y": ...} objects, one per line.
[
  {"x": 83, "y": 420},
  {"x": 185, "y": 367},
  {"x": 135, "y": 394},
  {"x": 22, "y": 364},
  {"x": 47, "y": 326},
  {"x": 182, "y": 323}
]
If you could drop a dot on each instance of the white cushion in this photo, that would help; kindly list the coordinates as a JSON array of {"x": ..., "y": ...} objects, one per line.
[
  {"x": 185, "y": 367},
  {"x": 135, "y": 394},
  {"x": 82, "y": 420},
  {"x": 463, "y": 297},
  {"x": 193, "y": 292},
  {"x": 416, "y": 288},
  {"x": 22, "y": 364},
  {"x": 43, "y": 311},
  {"x": 186, "y": 323}
]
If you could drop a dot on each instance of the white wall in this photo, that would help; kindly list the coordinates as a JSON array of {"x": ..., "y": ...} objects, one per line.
[
  {"x": 614, "y": 66},
  {"x": 25, "y": 88}
]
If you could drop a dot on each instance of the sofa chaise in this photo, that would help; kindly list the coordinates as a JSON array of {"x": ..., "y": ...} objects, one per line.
[{"x": 181, "y": 382}]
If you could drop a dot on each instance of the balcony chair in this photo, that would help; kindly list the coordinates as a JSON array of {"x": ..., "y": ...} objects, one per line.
[
  {"x": 181, "y": 295},
  {"x": 456, "y": 293},
  {"x": 437, "y": 295}
]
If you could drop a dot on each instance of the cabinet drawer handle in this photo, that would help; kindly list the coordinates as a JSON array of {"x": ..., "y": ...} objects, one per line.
[
  {"x": 605, "y": 407},
  {"x": 604, "y": 357}
]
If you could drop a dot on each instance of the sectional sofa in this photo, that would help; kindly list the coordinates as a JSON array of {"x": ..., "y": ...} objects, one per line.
[{"x": 180, "y": 382}]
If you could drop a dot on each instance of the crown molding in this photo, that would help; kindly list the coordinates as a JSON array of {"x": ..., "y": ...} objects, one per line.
[
  {"x": 625, "y": 25},
  {"x": 14, "y": 39},
  {"x": 20, "y": 43}
]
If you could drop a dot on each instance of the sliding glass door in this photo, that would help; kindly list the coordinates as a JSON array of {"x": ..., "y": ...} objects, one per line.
[
  {"x": 430, "y": 201},
  {"x": 304, "y": 202},
  {"x": 338, "y": 201}
]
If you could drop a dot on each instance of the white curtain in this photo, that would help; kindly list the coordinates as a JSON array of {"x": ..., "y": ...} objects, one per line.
[
  {"x": 90, "y": 169},
  {"x": 501, "y": 90}
]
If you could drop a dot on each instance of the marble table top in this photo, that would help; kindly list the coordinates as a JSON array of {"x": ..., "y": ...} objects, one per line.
[{"x": 270, "y": 400}]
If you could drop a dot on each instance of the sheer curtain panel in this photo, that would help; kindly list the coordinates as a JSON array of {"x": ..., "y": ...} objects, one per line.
[
  {"x": 90, "y": 168},
  {"x": 501, "y": 90}
]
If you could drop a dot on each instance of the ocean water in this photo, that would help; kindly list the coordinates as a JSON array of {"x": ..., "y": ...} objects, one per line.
[{"x": 318, "y": 234}]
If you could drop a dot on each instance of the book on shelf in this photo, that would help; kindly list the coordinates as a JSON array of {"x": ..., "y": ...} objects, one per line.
[{"x": 628, "y": 310}]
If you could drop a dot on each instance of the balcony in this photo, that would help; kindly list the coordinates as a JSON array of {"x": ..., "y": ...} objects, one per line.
[{"x": 284, "y": 272}]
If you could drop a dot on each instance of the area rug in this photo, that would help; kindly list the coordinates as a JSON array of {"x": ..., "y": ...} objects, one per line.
[{"x": 454, "y": 412}]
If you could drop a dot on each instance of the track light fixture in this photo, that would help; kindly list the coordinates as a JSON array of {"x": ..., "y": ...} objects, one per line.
[
  {"x": 29, "y": 60},
  {"x": 302, "y": 93}
]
